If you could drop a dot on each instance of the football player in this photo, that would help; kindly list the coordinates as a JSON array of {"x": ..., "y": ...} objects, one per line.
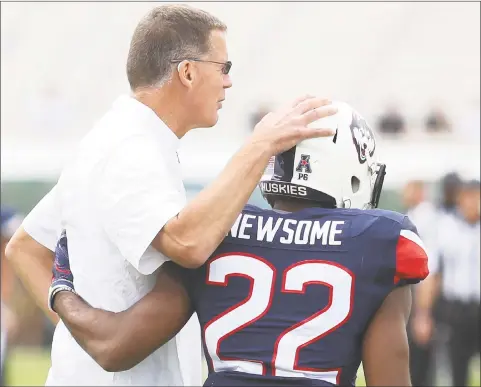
[{"x": 297, "y": 295}]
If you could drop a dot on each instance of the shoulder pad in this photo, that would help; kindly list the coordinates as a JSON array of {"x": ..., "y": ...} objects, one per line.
[{"x": 411, "y": 255}]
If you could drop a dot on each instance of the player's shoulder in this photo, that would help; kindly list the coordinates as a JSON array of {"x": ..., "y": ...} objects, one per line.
[
  {"x": 359, "y": 218},
  {"x": 388, "y": 224},
  {"x": 373, "y": 215},
  {"x": 378, "y": 215},
  {"x": 373, "y": 224},
  {"x": 396, "y": 235},
  {"x": 411, "y": 256}
]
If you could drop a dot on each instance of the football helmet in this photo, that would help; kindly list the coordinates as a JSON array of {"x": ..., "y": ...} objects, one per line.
[{"x": 342, "y": 170}]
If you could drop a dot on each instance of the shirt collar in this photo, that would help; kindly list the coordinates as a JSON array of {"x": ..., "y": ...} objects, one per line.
[
  {"x": 458, "y": 215},
  {"x": 148, "y": 120}
]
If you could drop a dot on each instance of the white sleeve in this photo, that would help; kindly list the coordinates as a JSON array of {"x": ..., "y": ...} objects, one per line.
[
  {"x": 137, "y": 194},
  {"x": 434, "y": 261},
  {"x": 437, "y": 243},
  {"x": 43, "y": 223}
]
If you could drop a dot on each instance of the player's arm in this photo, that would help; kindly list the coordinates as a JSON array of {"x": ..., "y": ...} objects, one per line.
[
  {"x": 385, "y": 347},
  {"x": 427, "y": 293},
  {"x": 385, "y": 351},
  {"x": 119, "y": 341},
  {"x": 30, "y": 251}
]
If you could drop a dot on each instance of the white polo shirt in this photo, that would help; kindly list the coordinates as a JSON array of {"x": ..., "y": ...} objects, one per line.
[
  {"x": 458, "y": 253},
  {"x": 120, "y": 188},
  {"x": 425, "y": 217}
]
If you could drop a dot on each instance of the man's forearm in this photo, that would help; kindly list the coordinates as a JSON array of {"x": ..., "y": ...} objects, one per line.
[
  {"x": 32, "y": 262},
  {"x": 202, "y": 225},
  {"x": 93, "y": 329},
  {"x": 119, "y": 341},
  {"x": 426, "y": 294}
]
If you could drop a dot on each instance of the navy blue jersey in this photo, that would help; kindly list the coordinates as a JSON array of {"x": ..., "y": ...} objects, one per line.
[{"x": 290, "y": 295}]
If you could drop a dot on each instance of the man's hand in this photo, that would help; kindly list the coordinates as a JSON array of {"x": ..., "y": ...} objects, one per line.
[
  {"x": 422, "y": 322},
  {"x": 62, "y": 279},
  {"x": 284, "y": 128},
  {"x": 422, "y": 326}
]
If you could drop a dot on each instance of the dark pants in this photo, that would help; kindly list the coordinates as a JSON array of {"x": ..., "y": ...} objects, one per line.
[
  {"x": 421, "y": 361},
  {"x": 421, "y": 357},
  {"x": 463, "y": 321}
]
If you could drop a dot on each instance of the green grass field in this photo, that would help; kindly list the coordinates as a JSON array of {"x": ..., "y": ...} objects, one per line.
[{"x": 29, "y": 367}]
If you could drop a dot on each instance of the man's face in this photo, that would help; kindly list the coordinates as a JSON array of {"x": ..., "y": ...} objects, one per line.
[
  {"x": 413, "y": 194},
  {"x": 469, "y": 203},
  {"x": 450, "y": 194},
  {"x": 208, "y": 91}
]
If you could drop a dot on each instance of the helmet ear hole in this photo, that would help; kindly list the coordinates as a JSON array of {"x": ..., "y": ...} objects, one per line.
[{"x": 355, "y": 184}]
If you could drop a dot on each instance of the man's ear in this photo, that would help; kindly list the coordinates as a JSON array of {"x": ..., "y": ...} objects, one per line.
[{"x": 186, "y": 72}]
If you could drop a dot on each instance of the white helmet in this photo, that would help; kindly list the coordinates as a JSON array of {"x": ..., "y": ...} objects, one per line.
[{"x": 342, "y": 170}]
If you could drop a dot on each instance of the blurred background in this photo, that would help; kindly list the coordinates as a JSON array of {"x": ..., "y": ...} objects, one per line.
[{"x": 412, "y": 69}]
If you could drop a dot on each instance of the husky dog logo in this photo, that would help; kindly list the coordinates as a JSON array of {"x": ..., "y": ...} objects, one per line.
[
  {"x": 304, "y": 164},
  {"x": 362, "y": 137}
]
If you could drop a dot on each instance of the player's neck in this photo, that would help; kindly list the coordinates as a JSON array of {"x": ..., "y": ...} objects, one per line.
[
  {"x": 163, "y": 103},
  {"x": 293, "y": 205}
]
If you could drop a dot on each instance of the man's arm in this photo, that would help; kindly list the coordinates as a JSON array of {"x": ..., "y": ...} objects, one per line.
[
  {"x": 7, "y": 277},
  {"x": 191, "y": 237},
  {"x": 119, "y": 341},
  {"x": 427, "y": 292},
  {"x": 385, "y": 355},
  {"x": 422, "y": 321},
  {"x": 32, "y": 262}
]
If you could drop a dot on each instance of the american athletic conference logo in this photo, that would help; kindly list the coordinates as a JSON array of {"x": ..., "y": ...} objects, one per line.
[
  {"x": 304, "y": 167},
  {"x": 304, "y": 164}
]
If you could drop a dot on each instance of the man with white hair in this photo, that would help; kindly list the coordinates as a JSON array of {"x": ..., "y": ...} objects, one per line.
[{"x": 122, "y": 201}]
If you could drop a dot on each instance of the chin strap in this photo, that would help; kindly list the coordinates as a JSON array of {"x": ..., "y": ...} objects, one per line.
[{"x": 378, "y": 171}]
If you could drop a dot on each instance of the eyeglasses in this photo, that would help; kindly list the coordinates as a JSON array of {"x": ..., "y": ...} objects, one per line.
[{"x": 226, "y": 66}]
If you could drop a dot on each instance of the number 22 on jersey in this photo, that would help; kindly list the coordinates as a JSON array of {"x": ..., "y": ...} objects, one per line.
[{"x": 295, "y": 278}]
